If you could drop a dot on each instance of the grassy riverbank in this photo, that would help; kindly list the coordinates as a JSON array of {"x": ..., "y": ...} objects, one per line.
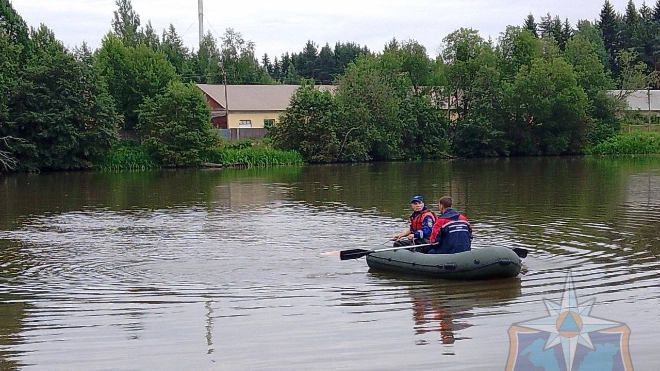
[
  {"x": 252, "y": 155},
  {"x": 127, "y": 155},
  {"x": 636, "y": 143}
]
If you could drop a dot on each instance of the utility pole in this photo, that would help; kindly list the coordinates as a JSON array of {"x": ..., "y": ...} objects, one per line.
[
  {"x": 648, "y": 115},
  {"x": 200, "y": 8}
]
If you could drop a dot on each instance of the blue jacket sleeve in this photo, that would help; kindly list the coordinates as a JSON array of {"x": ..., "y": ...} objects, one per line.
[{"x": 426, "y": 230}]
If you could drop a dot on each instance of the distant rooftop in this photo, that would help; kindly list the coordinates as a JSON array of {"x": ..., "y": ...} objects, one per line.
[
  {"x": 254, "y": 97},
  {"x": 639, "y": 99}
]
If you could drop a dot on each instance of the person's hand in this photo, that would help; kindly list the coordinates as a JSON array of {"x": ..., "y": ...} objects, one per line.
[
  {"x": 410, "y": 236},
  {"x": 396, "y": 237}
]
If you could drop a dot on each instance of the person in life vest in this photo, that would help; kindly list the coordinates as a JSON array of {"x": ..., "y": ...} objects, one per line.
[
  {"x": 452, "y": 232},
  {"x": 421, "y": 225}
]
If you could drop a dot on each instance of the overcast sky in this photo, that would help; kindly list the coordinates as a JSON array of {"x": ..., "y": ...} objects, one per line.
[{"x": 279, "y": 26}]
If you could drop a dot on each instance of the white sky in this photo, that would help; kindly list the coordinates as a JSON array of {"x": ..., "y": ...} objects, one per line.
[{"x": 279, "y": 26}]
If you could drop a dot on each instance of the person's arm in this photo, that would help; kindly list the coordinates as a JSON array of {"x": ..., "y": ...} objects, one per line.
[
  {"x": 436, "y": 234},
  {"x": 427, "y": 228},
  {"x": 405, "y": 233}
]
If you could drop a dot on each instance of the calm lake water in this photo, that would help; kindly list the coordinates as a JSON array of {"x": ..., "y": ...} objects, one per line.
[{"x": 224, "y": 270}]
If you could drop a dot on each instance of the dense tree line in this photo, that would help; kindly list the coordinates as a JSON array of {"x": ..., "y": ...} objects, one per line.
[
  {"x": 323, "y": 66},
  {"x": 61, "y": 109},
  {"x": 376, "y": 112},
  {"x": 635, "y": 31},
  {"x": 537, "y": 90},
  {"x": 55, "y": 110},
  {"x": 524, "y": 95}
]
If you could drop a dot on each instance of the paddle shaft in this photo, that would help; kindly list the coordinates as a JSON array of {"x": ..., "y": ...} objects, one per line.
[{"x": 358, "y": 253}]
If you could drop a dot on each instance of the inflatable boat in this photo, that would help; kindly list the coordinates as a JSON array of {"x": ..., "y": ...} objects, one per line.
[{"x": 480, "y": 263}]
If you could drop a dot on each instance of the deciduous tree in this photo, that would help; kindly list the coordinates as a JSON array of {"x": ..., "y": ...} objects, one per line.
[
  {"x": 313, "y": 127},
  {"x": 60, "y": 109},
  {"x": 175, "y": 125}
]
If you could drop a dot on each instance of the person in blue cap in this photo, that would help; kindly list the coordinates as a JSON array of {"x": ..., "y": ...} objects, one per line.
[{"x": 421, "y": 225}]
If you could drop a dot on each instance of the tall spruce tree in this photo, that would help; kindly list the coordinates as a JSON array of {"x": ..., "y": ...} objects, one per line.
[
  {"x": 531, "y": 25},
  {"x": 630, "y": 26},
  {"x": 172, "y": 45},
  {"x": 126, "y": 23},
  {"x": 326, "y": 65},
  {"x": 609, "y": 24}
]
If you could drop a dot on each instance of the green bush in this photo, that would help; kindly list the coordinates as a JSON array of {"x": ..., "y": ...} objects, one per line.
[
  {"x": 628, "y": 144},
  {"x": 253, "y": 156},
  {"x": 127, "y": 155}
]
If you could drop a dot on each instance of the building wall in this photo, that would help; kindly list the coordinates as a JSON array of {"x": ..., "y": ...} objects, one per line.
[
  {"x": 213, "y": 104},
  {"x": 257, "y": 118}
]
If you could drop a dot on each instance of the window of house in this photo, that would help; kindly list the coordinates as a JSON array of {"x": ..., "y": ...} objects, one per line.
[
  {"x": 242, "y": 124},
  {"x": 269, "y": 123}
]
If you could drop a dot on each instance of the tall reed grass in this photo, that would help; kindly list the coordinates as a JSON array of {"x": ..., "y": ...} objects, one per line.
[
  {"x": 253, "y": 157},
  {"x": 636, "y": 143},
  {"x": 127, "y": 155}
]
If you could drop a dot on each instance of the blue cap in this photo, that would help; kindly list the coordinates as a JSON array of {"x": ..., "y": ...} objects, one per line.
[{"x": 416, "y": 199}]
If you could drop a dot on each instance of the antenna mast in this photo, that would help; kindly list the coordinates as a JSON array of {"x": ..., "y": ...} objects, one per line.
[{"x": 200, "y": 7}]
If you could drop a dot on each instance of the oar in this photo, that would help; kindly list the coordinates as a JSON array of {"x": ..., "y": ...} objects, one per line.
[{"x": 358, "y": 253}]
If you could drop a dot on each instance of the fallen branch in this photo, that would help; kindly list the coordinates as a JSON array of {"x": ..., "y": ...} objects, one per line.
[{"x": 7, "y": 160}]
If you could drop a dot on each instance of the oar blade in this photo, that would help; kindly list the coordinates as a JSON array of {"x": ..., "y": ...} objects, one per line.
[
  {"x": 522, "y": 253},
  {"x": 353, "y": 254}
]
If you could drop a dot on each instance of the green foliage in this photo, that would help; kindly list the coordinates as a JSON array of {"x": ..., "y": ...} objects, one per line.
[
  {"x": 239, "y": 145},
  {"x": 13, "y": 27},
  {"x": 323, "y": 65},
  {"x": 14, "y": 44},
  {"x": 588, "y": 31},
  {"x": 605, "y": 110},
  {"x": 427, "y": 134},
  {"x": 528, "y": 95},
  {"x": 149, "y": 38},
  {"x": 127, "y": 155},
  {"x": 369, "y": 94},
  {"x": 9, "y": 68},
  {"x": 461, "y": 51},
  {"x": 132, "y": 74},
  {"x": 553, "y": 28},
  {"x": 310, "y": 126},
  {"x": 479, "y": 133},
  {"x": 609, "y": 24},
  {"x": 517, "y": 48},
  {"x": 531, "y": 25},
  {"x": 590, "y": 73},
  {"x": 126, "y": 22},
  {"x": 632, "y": 73},
  {"x": 252, "y": 157},
  {"x": 177, "y": 54},
  {"x": 547, "y": 110},
  {"x": 628, "y": 144},
  {"x": 59, "y": 109},
  {"x": 235, "y": 59},
  {"x": 175, "y": 125},
  {"x": 239, "y": 62}
]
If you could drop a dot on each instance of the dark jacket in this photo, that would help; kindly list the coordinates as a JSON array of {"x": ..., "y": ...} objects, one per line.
[{"x": 452, "y": 233}]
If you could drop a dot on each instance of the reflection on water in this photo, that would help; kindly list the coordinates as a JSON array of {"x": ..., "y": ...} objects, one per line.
[
  {"x": 442, "y": 309},
  {"x": 215, "y": 270}
]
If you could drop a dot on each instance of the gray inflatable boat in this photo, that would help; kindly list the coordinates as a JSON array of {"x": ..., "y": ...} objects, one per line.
[{"x": 482, "y": 263}]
